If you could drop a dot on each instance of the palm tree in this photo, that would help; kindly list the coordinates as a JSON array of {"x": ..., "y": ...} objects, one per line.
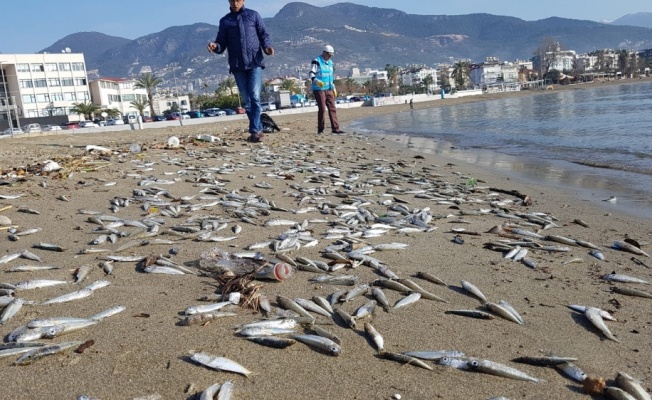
[
  {"x": 392, "y": 75},
  {"x": 87, "y": 109},
  {"x": 291, "y": 85},
  {"x": 140, "y": 105},
  {"x": 149, "y": 82},
  {"x": 427, "y": 82},
  {"x": 227, "y": 84},
  {"x": 111, "y": 112},
  {"x": 461, "y": 73}
]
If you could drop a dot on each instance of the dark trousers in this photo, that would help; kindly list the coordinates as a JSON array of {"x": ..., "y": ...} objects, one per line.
[{"x": 326, "y": 100}]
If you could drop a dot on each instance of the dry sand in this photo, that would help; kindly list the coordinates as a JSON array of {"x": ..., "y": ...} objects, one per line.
[{"x": 143, "y": 353}]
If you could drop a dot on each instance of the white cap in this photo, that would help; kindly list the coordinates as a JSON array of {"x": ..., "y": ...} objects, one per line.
[{"x": 329, "y": 49}]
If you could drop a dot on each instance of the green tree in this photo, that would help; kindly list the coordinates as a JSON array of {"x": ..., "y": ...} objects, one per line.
[
  {"x": 392, "y": 76},
  {"x": 461, "y": 73},
  {"x": 140, "y": 105},
  {"x": 291, "y": 85},
  {"x": 227, "y": 85},
  {"x": 149, "y": 82},
  {"x": 428, "y": 81},
  {"x": 112, "y": 112},
  {"x": 87, "y": 109}
]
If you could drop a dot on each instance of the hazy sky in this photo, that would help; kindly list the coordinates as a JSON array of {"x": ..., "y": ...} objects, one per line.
[{"x": 33, "y": 25}]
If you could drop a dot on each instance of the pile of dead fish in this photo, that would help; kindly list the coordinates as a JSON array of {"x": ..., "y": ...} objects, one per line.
[{"x": 344, "y": 209}]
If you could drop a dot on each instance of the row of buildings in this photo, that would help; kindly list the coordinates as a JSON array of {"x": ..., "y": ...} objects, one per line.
[{"x": 43, "y": 88}]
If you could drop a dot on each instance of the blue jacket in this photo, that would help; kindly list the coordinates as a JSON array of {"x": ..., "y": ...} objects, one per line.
[
  {"x": 322, "y": 70},
  {"x": 243, "y": 33}
]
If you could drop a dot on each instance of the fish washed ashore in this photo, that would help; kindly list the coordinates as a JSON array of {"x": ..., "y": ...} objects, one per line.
[{"x": 413, "y": 253}]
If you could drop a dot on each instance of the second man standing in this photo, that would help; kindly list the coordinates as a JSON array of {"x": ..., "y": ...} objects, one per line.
[{"x": 323, "y": 87}]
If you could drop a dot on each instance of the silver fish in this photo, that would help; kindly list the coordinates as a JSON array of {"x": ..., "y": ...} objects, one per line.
[
  {"x": 349, "y": 280},
  {"x": 11, "y": 310},
  {"x": 226, "y": 391},
  {"x": 375, "y": 337},
  {"x": 454, "y": 362},
  {"x": 310, "y": 305},
  {"x": 494, "y": 368},
  {"x": 572, "y": 371},
  {"x": 108, "y": 313},
  {"x": 621, "y": 245},
  {"x": 623, "y": 278},
  {"x": 79, "y": 294},
  {"x": 357, "y": 291},
  {"x": 346, "y": 317},
  {"x": 38, "y": 283},
  {"x": 469, "y": 287},
  {"x": 44, "y": 351},
  {"x": 379, "y": 295},
  {"x": 503, "y": 312},
  {"x": 206, "y": 308},
  {"x": 615, "y": 393},
  {"x": 272, "y": 341},
  {"x": 290, "y": 304},
  {"x": 593, "y": 315},
  {"x": 407, "y": 300},
  {"x": 631, "y": 292},
  {"x": 81, "y": 273},
  {"x": 210, "y": 392},
  {"x": 220, "y": 363},
  {"x": 435, "y": 354},
  {"x": 402, "y": 358},
  {"x": 321, "y": 343},
  {"x": 632, "y": 386},
  {"x": 365, "y": 310}
]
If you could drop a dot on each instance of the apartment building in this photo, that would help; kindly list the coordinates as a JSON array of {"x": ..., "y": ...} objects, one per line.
[
  {"x": 118, "y": 94},
  {"x": 37, "y": 87}
]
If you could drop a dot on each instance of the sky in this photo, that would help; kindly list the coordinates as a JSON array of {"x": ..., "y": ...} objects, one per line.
[{"x": 30, "y": 26}]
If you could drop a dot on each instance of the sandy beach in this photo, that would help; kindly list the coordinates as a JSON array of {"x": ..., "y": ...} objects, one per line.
[{"x": 322, "y": 182}]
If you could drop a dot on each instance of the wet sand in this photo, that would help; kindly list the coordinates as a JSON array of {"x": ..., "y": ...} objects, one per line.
[{"x": 143, "y": 353}]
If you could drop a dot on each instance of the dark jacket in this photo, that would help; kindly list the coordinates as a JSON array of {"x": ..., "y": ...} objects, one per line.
[{"x": 243, "y": 33}]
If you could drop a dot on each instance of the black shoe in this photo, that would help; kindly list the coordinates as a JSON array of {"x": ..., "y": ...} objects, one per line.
[
  {"x": 339, "y": 132},
  {"x": 320, "y": 132}
]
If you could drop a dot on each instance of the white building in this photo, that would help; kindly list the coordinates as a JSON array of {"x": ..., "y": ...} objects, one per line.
[
  {"x": 563, "y": 61},
  {"x": 38, "y": 86},
  {"x": 416, "y": 77},
  {"x": 165, "y": 103},
  {"x": 118, "y": 93}
]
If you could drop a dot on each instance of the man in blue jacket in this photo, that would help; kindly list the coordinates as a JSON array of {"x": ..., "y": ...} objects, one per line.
[
  {"x": 323, "y": 88},
  {"x": 242, "y": 32}
]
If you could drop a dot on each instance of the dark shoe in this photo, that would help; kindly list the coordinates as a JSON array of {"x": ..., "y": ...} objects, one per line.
[
  {"x": 339, "y": 132},
  {"x": 256, "y": 137},
  {"x": 320, "y": 132}
]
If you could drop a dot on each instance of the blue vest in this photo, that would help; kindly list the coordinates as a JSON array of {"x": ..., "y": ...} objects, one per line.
[{"x": 324, "y": 74}]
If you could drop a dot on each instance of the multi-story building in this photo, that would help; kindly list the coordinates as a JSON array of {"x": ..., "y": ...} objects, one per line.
[
  {"x": 162, "y": 103},
  {"x": 416, "y": 76},
  {"x": 118, "y": 93},
  {"x": 38, "y": 87}
]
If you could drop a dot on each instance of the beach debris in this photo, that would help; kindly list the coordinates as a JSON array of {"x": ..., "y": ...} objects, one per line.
[
  {"x": 594, "y": 385},
  {"x": 494, "y": 368}
]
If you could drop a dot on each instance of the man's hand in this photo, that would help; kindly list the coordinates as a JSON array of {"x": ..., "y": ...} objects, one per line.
[
  {"x": 269, "y": 51},
  {"x": 334, "y": 92},
  {"x": 212, "y": 47},
  {"x": 319, "y": 83}
]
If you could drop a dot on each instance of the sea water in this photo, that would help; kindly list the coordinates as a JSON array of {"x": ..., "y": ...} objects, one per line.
[{"x": 596, "y": 141}]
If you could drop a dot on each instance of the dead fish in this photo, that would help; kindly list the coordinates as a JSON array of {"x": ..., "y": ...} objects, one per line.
[
  {"x": 632, "y": 386},
  {"x": 494, "y": 368},
  {"x": 409, "y": 299},
  {"x": 320, "y": 343},
  {"x": 220, "y": 363},
  {"x": 622, "y": 245},
  {"x": 430, "y": 278},
  {"x": 29, "y": 211},
  {"x": 470, "y": 313},
  {"x": 631, "y": 292},
  {"x": 593, "y": 315},
  {"x": 402, "y": 358},
  {"x": 375, "y": 337},
  {"x": 623, "y": 278},
  {"x": 379, "y": 295},
  {"x": 469, "y": 287},
  {"x": 30, "y": 256}
]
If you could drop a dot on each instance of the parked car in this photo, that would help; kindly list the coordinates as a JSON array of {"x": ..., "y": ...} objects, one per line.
[
  {"x": 87, "y": 124},
  {"x": 194, "y": 114},
  {"x": 99, "y": 122},
  {"x": 230, "y": 111},
  {"x": 269, "y": 106},
  {"x": 32, "y": 128},
  {"x": 51, "y": 128},
  {"x": 10, "y": 131},
  {"x": 147, "y": 118},
  {"x": 214, "y": 112},
  {"x": 70, "y": 125},
  {"x": 240, "y": 110},
  {"x": 130, "y": 119},
  {"x": 115, "y": 121},
  {"x": 177, "y": 116},
  {"x": 157, "y": 118}
]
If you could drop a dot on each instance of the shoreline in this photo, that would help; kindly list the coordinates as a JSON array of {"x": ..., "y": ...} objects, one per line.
[{"x": 143, "y": 352}]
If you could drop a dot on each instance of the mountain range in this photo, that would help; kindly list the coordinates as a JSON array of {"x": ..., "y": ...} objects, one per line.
[{"x": 364, "y": 37}]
